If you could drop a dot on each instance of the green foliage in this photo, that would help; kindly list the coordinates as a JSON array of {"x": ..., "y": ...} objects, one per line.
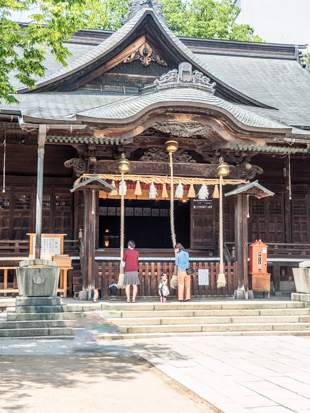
[
  {"x": 307, "y": 57},
  {"x": 211, "y": 19},
  {"x": 53, "y": 22}
]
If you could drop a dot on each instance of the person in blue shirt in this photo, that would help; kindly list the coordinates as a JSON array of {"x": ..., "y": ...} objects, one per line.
[{"x": 184, "y": 280}]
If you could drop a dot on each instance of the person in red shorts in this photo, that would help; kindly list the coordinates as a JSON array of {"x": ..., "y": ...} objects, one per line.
[{"x": 131, "y": 257}]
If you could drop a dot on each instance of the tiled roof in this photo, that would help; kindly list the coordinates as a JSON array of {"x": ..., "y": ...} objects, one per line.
[
  {"x": 132, "y": 107},
  {"x": 282, "y": 84},
  {"x": 61, "y": 106},
  {"x": 51, "y": 65},
  {"x": 117, "y": 37}
]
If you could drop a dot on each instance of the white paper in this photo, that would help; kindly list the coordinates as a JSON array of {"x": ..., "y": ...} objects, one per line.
[
  {"x": 203, "y": 277},
  {"x": 49, "y": 245}
]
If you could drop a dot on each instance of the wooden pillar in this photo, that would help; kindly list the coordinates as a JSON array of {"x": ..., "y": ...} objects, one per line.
[
  {"x": 89, "y": 240},
  {"x": 276, "y": 278},
  {"x": 241, "y": 242}
]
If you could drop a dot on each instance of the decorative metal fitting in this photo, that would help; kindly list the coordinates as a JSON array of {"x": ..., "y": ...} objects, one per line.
[
  {"x": 171, "y": 146},
  {"x": 223, "y": 168},
  {"x": 123, "y": 164}
]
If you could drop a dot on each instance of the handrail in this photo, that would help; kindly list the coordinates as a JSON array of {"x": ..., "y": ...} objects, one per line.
[{"x": 13, "y": 248}]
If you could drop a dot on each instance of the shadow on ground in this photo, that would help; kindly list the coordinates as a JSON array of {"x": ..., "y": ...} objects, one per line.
[{"x": 76, "y": 383}]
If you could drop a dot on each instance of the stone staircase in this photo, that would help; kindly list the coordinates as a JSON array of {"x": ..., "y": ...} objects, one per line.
[
  {"x": 210, "y": 318},
  {"x": 41, "y": 318}
]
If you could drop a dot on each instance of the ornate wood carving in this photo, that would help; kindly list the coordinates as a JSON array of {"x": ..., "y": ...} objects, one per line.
[
  {"x": 161, "y": 155},
  {"x": 146, "y": 55},
  {"x": 78, "y": 165},
  {"x": 162, "y": 168},
  {"x": 248, "y": 171},
  {"x": 182, "y": 130}
]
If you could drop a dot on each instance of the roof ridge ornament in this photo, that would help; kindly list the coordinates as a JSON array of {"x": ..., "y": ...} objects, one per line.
[
  {"x": 136, "y": 5},
  {"x": 185, "y": 77}
]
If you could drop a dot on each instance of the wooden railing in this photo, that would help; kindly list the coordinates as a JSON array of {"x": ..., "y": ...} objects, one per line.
[
  {"x": 279, "y": 249},
  {"x": 149, "y": 276},
  {"x": 19, "y": 248}
]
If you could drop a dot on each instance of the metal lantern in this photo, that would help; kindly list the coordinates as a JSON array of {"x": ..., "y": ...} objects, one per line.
[
  {"x": 171, "y": 146},
  {"x": 123, "y": 165},
  {"x": 223, "y": 168}
]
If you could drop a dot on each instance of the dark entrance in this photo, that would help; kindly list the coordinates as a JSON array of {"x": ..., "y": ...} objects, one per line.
[{"x": 146, "y": 222}]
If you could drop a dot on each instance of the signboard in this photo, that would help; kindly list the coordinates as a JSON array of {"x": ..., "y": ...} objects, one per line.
[
  {"x": 51, "y": 244},
  {"x": 203, "y": 277}
]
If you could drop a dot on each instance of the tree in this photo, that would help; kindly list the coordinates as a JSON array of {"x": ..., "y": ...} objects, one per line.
[
  {"x": 307, "y": 60},
  {"x": 53, "y": 22},
  {"x": 211, "y": 19}
]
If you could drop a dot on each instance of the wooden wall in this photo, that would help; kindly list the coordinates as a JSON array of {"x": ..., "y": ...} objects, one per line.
[{"x": 18, "y": 202}]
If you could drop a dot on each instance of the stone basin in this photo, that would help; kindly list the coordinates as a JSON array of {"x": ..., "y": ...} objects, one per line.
[{"x": 37, "y": 278}]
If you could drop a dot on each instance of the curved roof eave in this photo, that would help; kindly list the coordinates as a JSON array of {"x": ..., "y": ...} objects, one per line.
[
  {"x": 134, "y": 109},
  {"x": 123, "y": 33}
]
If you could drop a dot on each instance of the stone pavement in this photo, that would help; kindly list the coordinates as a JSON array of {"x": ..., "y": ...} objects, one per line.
[
  {"x": 236, "y": 374},
  {"x": 60, "y": 348}
]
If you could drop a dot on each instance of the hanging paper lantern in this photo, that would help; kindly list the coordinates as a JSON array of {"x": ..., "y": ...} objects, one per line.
[
  {"x": 122, "y": 188},
  {"x": 179, "y": 191},
  {"x": 153, "y": 191},
  {"x": 191, "y": 192},
  {"x": 114, "y": 191},
  {"x": 138, "y": 190},
  {"x": 216, "y": 192},
  {"x": 164, "y": 193},
  {"x": 203, "y": 192}
]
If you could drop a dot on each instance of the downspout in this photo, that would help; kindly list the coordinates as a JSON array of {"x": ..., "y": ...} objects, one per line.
[{"x": 41, "y": 144}]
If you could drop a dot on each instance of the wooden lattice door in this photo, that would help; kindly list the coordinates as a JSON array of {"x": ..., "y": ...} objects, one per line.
[{"x": 203, "y": 234}]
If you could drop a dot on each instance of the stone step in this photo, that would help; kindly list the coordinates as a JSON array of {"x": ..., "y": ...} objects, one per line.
[
  {"x": 232, "y": 305},
  {"x": 208, "y": 320},
  {"x": 35, "y": 332},
  {"x": 56, "y": 308},
  {"x": 200, "y": 334},
  {"x": 181, "y": 328},
  {"x": 211, "y": 313},
  {"x": 12, "y": 316},
  {"x": 40, "y": 309},
  {"x": 4, "y": 325},
  {"x": 64, "y": 337}
]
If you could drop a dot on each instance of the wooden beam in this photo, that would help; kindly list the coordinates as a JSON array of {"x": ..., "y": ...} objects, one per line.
[{"x": 105, "y": 67}]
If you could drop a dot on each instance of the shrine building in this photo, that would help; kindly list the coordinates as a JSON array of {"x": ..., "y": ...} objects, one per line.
[{"x": 125, "y": 94}]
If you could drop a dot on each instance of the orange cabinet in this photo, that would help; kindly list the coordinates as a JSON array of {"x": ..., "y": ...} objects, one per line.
[
  {"x": 258, "y": 257},
  {"x": 259, "y": 279}
]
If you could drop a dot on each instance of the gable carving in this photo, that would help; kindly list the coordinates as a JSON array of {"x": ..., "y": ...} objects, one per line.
[{"x": 146, "y": 55}]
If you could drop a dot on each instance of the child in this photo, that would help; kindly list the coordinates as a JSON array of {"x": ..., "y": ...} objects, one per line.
[
  {"x": 113, "y": 288},
  {"x": 163, "y": 288}
]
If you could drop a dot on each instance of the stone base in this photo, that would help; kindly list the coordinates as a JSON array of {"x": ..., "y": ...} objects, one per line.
[
  {"x": 84, "y": 295},
  {"x": 240, "y": 295},
  {"x": 37, "y": 301},
  {"x": 277, "y": 293},
  {"x": 300, "y": 297}
]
